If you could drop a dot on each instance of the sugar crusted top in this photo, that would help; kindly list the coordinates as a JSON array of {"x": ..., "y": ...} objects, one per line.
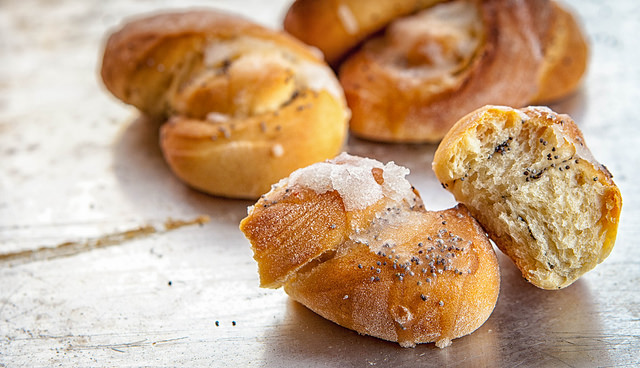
[{"x": 352, "y": 177}]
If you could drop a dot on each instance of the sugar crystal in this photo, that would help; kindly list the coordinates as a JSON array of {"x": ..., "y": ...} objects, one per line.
[{"x": 353, "y": 179}]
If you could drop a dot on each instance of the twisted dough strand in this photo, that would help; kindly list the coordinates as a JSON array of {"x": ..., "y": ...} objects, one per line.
[{"x": 245, "y": 105}]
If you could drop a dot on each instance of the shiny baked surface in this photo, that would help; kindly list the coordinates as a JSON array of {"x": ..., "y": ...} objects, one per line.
[{"x": 77, "y": 166}]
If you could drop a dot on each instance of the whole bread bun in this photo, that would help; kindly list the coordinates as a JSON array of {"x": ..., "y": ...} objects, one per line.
[
  {"x": 530, "y": 180},
  {"x": 337, "y": 26},
  {"x": 412, "y": 83},
  {"x": 246, "y": 105},
  {"x": 436, "y": 60},
  {"x": 350, "y": 239}
]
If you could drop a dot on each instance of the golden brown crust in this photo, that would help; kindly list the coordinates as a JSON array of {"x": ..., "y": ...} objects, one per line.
[
  {"x": 390, "y": 101},
  {"x": 151, "y": 49},
  {"x": 555, "y": 209},
  {"x": 390, "y": 270},
  {"x": 301, "y": 225},
  {"x": 413, "y": 306},
  {"x": 337, "y": 26},
  {"x": 242, "y": 159},
  {"x": 246, "y": 105},
  {"x": 528, "y": 51}
]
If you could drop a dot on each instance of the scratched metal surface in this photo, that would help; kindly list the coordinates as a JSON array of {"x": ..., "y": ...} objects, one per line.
[{"x": 81, "y": 174}]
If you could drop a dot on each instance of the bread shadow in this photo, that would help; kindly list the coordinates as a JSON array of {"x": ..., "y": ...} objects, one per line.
[
  {"x": 151, "y": 187},
  {"x": 303, "y": 338},
  {"x": 529, "y": 327},
  {"x": 539, "y": 327}
]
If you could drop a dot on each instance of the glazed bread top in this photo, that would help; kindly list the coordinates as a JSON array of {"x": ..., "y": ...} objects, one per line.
[{"x": 347, "y": 184}]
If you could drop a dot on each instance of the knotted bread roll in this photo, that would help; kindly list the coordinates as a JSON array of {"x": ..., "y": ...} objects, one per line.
[
  {"x": 350, "y": 239},
  {"x": 245, "y": 105},
  {"x": 430, "y": 68},
  {"x": 530, "y": 180}
]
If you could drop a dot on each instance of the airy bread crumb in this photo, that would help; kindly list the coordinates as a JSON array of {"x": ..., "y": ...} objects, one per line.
[{"x": 530, "y": 180}]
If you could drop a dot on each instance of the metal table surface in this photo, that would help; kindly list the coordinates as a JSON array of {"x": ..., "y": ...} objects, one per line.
[{"x": 108, "y": 260}]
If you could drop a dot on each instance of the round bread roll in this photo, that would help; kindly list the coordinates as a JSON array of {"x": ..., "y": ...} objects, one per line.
[
  {"x": 350, "y": 239},
  {"x": 246, "y": 105},
  {"x": 530, "y": 180},
  {"x": 429, "y": 69},
  {"x": 337, "y": 26}
]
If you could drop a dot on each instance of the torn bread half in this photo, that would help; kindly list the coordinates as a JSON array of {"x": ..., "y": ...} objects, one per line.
[{"x": 530, "y": 180}]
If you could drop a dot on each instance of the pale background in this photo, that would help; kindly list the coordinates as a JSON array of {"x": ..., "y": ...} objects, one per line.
[{"x": 77, "y": 165}]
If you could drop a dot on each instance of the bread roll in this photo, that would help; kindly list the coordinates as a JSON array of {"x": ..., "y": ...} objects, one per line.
[
  {"x": 350, "y": 239},
  {"x": 337, "y": 26},
  {"x": 246, "y": 105},
  {"x": 428, "y": 70},
  {"x": 436, "y": 60},
  {"x": 530, "y": 180}
]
